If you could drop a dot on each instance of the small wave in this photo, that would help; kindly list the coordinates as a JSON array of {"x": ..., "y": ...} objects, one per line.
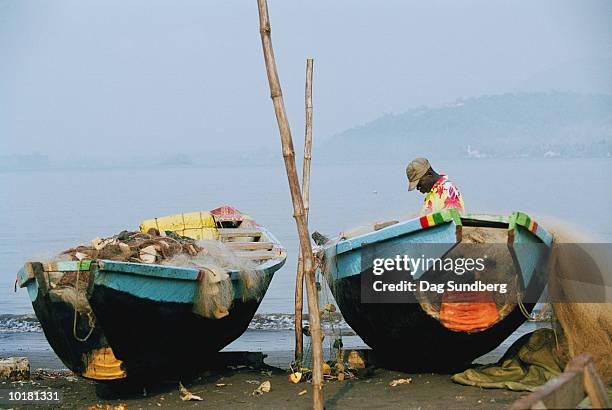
[
  {"x": 285, "y": 321},
  {"x": 266, "y": 321},
  {"x": 19, "y": 324}
]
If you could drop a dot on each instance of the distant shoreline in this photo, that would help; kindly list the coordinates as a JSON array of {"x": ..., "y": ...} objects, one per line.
[{"x": 245, "y": 164}]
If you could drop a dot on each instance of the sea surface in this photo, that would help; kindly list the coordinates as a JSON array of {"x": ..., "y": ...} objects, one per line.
[{"x": 43, "y": 212}]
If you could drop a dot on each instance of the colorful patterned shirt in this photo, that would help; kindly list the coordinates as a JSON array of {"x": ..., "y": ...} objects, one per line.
[{"x": 444, "y": 194}]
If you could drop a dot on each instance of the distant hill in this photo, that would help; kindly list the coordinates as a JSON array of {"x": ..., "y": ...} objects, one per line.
[
  {"x": 552, "y": 124},
  {"x": 24, "y": 162}
]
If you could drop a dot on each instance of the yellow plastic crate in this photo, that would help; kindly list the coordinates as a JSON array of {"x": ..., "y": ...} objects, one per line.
[{"x": 196, "y": 225}]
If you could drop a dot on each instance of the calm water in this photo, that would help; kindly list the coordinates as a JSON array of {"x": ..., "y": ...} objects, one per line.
[{"x": 44, "y": 212}]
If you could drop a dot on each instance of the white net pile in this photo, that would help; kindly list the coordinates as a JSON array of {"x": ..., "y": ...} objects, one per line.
[{"x": 215, "y": 294}]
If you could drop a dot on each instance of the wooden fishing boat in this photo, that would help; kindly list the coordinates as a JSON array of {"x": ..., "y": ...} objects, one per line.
[
  {"x": 438, "y": 331},
  {"x": 148, "y": 311},
  {"x": 57, "y": 291},
  {"x": 92, "y": 308}
]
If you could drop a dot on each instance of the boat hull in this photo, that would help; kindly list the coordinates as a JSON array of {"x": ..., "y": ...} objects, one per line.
[
  {"x": 157, "y": 339},
  {"x": 147, "y": 315},
  {"x": 403, "y": 336}
]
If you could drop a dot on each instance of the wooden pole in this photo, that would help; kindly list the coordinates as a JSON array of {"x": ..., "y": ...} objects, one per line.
[
  {"x": 307, "y": 138},
  {"x": 299, "y": 278},
  {"x": 298, "y": 205}
]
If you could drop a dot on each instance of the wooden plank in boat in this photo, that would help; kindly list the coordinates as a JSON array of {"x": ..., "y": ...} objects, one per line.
[
  {"x": 250, "y": 245},
  {"x": 238, "y": 232},
  {"x": 380, "y": 225},
  {"x": 261, "y": 255}
]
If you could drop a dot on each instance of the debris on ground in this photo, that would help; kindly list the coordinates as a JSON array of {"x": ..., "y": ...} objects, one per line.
[
  {"x": 47, "y": 374},
  {"x": 186, "y": 395},
  {"x": 397, "y": 382},
  {"x": 355, "y": 361},
  {"x": 14, "y": 368},
  {"x": 264, "y": 387},
  {"x": 295, "y": 377},
  {"x": 107, "y": 406}
]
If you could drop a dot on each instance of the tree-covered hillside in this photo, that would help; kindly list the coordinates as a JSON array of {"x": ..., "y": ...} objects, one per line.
[{"x": 508, "y": 125}]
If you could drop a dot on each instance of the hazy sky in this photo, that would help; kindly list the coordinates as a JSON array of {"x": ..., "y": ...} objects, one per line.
[{"x": 124, "y": 77}]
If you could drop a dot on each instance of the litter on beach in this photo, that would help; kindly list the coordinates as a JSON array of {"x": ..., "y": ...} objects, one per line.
[
  {"x": 186, "y": 395},
  {"x": 397, "y": 382},
  {"x": 264, "y": 387}
]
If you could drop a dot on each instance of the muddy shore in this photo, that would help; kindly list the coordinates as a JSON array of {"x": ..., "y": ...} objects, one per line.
[
  {"x": 371, "y": 390},
  {"x": 233, "y": 388}
]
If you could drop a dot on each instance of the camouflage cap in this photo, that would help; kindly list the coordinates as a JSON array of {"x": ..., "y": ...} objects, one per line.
[{"x": 415, "y": 171}]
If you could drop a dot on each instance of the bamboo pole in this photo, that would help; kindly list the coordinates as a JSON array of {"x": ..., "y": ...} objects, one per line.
[
  {"x": 299, "y": 278},
  {"x": 298, "y": 205},
  {"x": 307, "y": 138}
]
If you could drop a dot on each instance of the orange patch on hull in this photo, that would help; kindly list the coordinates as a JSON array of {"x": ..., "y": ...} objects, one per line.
[
  {"x": 103, "y": 365},
  {"x": 468, "y": 311}
]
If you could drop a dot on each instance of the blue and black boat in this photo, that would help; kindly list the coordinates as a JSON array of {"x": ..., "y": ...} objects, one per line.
[
  {"x": 414, "y": 328},
  {"x": 139, "y": 320}
]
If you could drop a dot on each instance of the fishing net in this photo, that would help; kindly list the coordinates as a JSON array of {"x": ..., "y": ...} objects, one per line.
[
  {"x": 332, "y": 325},
  {"x": 581, "y": 327},
  {"x": 151, "y": 247},
  {"x": 327, "y": 265},
  {"x": 577, "y": 328},
  {"x": 215, "y": 293},
  {"x": 72, "y": 296}
]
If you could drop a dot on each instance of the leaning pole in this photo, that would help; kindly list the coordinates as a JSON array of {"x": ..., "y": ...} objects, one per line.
[{"x": 298, "y": 204}]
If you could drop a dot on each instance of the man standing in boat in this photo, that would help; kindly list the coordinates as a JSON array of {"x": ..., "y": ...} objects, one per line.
[{"x": 440, "y": 192}]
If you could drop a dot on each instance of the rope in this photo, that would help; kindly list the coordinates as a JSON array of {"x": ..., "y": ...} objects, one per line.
[
  {"x": 324, "y": 300},
  {"x": 529, "y": 316},
  {"x": 554, "y": 328},
  {"x": 89, "y": 315},
  {"x": 202, "y": 225},
  {"x": 540, "y": 317},
  {"x": 326, "y": 293}
]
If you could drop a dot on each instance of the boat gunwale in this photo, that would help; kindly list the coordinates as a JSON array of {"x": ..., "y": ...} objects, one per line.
[
  {"x": 452, "y": 216},
  {"x": 173, "y": 272},
  {"x": 398, "y": 229}
]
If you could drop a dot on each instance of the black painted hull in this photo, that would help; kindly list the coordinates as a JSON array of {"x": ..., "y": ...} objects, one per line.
[
  {"x": 403, "y": 336},
  {"x": 83, "y": 347},
  {"x": 57, "y": 320},
  {"x": 161, "y": 339}
]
